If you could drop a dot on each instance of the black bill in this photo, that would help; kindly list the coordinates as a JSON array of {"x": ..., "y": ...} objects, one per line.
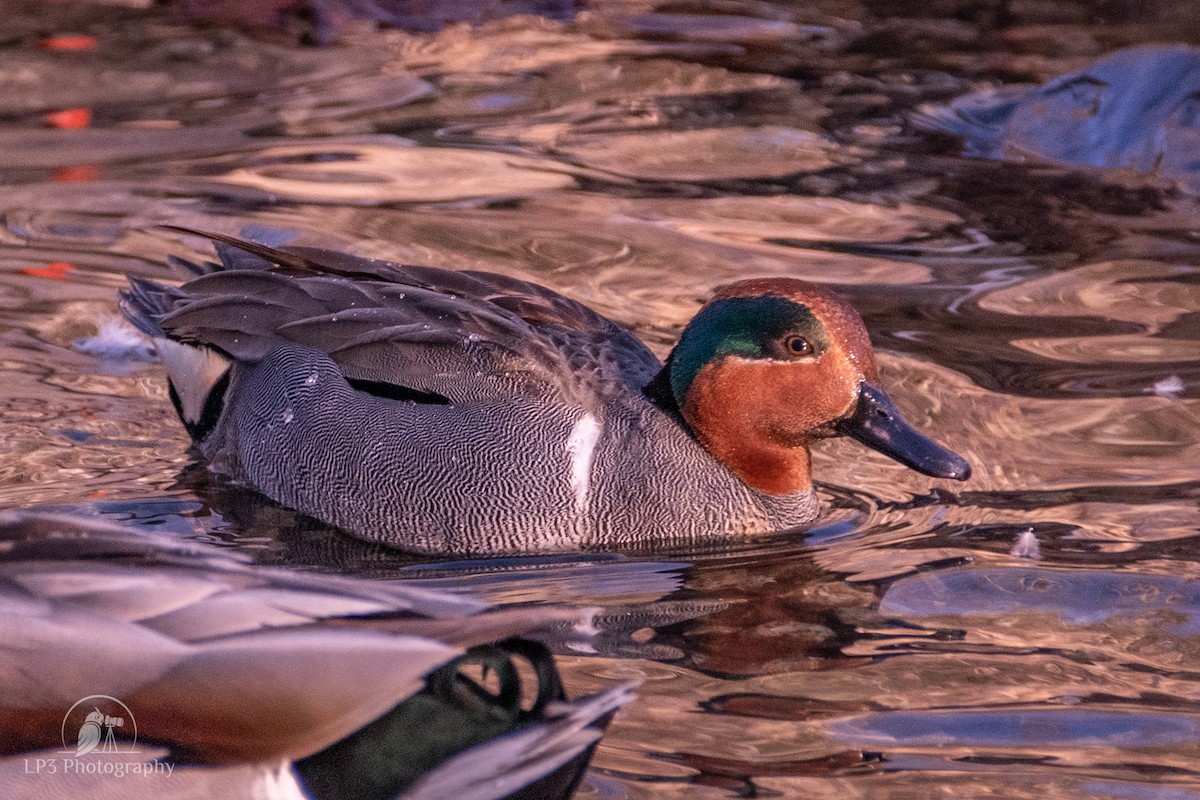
[{"x": 876, "y": 422}]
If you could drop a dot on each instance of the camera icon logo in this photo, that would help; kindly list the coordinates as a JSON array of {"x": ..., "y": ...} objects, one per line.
[{"x": 89, "y": 726}]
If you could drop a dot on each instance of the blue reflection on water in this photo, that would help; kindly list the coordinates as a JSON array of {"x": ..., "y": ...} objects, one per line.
[
  {"x": 1039, "y": 727},
  {"x": 1078, "y": 597}
]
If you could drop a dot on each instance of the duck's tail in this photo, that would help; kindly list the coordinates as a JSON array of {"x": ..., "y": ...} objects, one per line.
[{"x": 197, "y": 376}]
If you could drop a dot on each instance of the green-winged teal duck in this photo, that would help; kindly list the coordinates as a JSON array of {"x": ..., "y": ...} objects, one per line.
[{"x": 466, "y": 412}]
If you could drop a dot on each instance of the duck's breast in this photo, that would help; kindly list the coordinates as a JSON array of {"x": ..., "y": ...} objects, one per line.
[{"x": 656, "y": 485}]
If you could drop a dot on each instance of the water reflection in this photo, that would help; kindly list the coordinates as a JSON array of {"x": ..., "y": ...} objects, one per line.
[
  {"x": 391, "y": 171},
  {"x": 1042, "y": 320},
  {"x": 1038, "y": 728},
  {"x": 1135, "y": 109}
]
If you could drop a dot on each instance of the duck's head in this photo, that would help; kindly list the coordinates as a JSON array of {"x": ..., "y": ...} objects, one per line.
[{"x": 769, "y": 365}]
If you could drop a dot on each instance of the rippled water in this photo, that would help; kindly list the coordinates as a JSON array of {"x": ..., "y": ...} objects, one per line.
[{"x": 1033, "y": 632}]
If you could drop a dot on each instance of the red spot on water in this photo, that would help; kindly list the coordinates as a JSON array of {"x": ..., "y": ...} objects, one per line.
[
  {"x": 68, "y": 42},
  {"x": 55, "y": 270},
  {"x": 98, "y": 493},
  {"x": 79, "y": 173},
  {"x": 68, "y": 118}
]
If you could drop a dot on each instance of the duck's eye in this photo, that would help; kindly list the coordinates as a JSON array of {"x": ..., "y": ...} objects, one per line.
[{"x": 798, "y": 346}]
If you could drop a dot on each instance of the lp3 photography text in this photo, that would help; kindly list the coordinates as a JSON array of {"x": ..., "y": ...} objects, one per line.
[{"x": 99, "y": 737}]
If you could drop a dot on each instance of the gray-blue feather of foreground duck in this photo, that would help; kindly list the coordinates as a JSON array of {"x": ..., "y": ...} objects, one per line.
[
  {"x": 466, "y": 412},
  {"x": 280, "y": 683}
]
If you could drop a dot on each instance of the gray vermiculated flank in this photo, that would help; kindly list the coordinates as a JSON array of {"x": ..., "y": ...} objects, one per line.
[{"x": 546, "y": 443}]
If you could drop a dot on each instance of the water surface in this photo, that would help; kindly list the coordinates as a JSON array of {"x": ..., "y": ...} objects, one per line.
[{"x": 1043, "y": 322}]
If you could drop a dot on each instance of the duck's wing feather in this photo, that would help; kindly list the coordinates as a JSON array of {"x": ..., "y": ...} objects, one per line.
[
  {"x": 217, "y": 658},
  {"x": 543, "y": 761},
  {"x": 459, "y": 335},
  {"x": 548, "y": 756}
]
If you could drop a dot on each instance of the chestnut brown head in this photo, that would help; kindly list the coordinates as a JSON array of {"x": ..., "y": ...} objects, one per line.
[{"x": 769, "y": 365}]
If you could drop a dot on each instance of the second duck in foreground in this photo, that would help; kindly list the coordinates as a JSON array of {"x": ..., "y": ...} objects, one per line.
[{"x": 466, "y": 412}]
